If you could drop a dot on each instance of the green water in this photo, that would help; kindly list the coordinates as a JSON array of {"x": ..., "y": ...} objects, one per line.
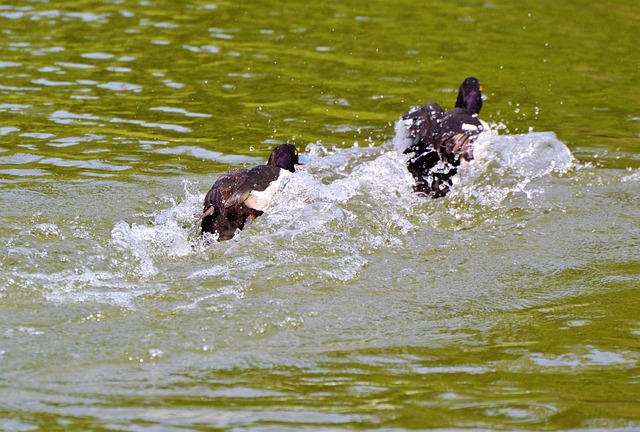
[{"x": 352, "y": 304}]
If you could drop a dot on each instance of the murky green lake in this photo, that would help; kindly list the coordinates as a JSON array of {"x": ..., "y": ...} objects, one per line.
[{"x": 352, "y": 304}]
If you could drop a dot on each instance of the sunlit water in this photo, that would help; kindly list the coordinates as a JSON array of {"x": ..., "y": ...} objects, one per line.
[{"x": 352, "y": 303}]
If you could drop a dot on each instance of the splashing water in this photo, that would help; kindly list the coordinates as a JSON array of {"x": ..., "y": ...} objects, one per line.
[{"x": 343, "y": 205}]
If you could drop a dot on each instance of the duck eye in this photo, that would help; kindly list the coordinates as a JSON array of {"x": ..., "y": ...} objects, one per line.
[
  {"x": 295, "y": 152},
  {"x": 480, "y": 87}
]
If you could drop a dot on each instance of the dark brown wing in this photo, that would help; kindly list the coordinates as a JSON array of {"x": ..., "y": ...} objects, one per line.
[
  {"x": 257, "y": 179},
  {"x": 459, "y": 132},
  {"x": 226, "y": 208},
  {"x": 221, "y": 215},
  {"x": 223, "y": 190},
  {"x": 423, "y": 124}
]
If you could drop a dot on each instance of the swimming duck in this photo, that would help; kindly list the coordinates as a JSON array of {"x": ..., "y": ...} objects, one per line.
[
  {"x": 241, "y": 195},
  {"x": 440, "y": 141}
]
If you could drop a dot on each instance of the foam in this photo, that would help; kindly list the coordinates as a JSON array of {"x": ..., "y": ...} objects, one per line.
[{"x": 341, "y": 206}]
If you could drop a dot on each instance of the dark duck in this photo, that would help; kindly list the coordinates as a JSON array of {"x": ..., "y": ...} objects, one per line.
[
  {"x": 441, "y": 141},
  {"x": 241, "y": 195}
]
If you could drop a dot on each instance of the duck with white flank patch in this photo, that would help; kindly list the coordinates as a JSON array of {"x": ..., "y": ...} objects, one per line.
[
  {"x": 241, "y": 195},
  {"x": 440, "y": 141}
]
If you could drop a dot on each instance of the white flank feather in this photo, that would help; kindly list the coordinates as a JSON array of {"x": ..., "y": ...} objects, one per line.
[{"x": 259, "y": 200}]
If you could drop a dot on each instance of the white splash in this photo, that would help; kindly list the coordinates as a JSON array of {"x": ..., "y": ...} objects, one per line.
[
  {"x": 342, "y": 205},
  {"x": 531, "y": 155},
  {"x": 170, "y": 235}
]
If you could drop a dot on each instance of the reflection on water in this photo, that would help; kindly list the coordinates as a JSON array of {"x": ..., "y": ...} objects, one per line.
[{"x": 352, "y": 302}]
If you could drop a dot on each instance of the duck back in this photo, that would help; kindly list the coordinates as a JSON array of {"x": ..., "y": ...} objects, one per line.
[
  {"x": 241, "y": 195},
  {"x": 223, "y": 213},
  {"x": 441, "y": 141},
  {"x": 459, "y": 131}
]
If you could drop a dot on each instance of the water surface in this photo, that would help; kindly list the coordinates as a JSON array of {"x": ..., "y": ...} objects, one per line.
[{"x": 352, "y": 303}]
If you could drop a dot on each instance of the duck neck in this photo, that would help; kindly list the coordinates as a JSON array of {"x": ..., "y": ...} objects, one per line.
[{"x": 472, "y": 103}]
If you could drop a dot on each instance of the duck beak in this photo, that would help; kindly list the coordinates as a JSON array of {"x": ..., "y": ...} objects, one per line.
[{"x": 302, "y": 160}]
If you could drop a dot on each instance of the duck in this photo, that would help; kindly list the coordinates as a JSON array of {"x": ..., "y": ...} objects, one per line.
[
  {"x": 441, "y": 140},
  {"x": 240, "y": 195}
]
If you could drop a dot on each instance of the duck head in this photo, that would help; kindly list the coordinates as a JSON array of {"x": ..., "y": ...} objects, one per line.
[
  {"x": 470, "y": 96},
  {"x": 285, "y": 156}
]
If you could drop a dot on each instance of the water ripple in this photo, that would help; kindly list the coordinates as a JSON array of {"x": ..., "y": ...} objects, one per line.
[
  {"x": 66, "y": 117},
  {"x": 49, "y": 83},
  {"x": 13, "y": 107},
  {"x": 86, "y": 164},
  {"x": 71, "y": 141},
  {"x": 592, "y": 358},
  {"x": 97, "y": 56},
  {"x": 75, "y": 65},
  {"x": 7, "y": 130},
  {"x": 25, "y": 172},
  {"x": 164, "y": 126},
  {"x": 179, "y": 111},
  {"x": 211, "y": 49},
  {"x": 6, "y": 64},
  {"x": 121, "y": 86}
]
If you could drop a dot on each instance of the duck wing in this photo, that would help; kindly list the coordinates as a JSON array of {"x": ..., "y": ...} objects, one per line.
[
  {"x": 258, "y": 188},
  {"x": 459, "y": 132},
  {"x": 223, "y": 191},
  {"x": 423, "y": 124}
]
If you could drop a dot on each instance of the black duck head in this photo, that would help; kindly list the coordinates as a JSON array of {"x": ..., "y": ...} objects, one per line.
[
  {"x": 284, "y": 156},
  {"x": 470, "y": 96}
]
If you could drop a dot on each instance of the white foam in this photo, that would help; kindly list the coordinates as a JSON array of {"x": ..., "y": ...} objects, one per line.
[
  {"x": 170, "y": 235},
  {"x": 343, "y": 204},
  {"x": 532, "y": 155}
]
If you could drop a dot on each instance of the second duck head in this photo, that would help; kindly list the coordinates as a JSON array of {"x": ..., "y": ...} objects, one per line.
[{"x": 470, "y": 96}]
